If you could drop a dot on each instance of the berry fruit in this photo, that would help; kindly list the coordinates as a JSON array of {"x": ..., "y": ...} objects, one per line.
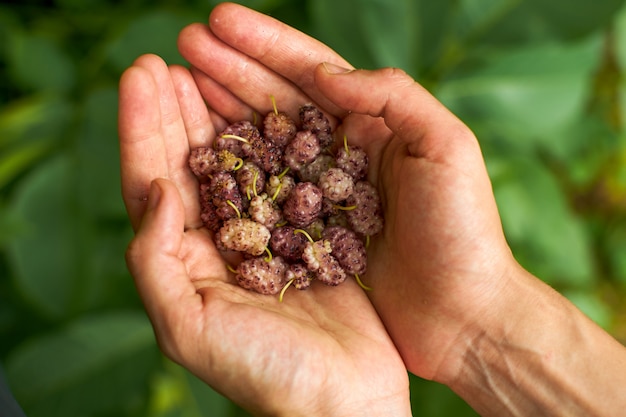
[{"x": 296, "y": 207}]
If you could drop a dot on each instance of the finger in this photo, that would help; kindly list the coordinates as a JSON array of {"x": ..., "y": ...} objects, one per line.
[
  {"x": 247, "y": 79},
  {"x": 174, "y": 134},
  {"x": 221, "y": 101},
  {"x": 153, "y": 259},
  {"x": 279, "y": 47},
  {"x": 142, "y": 149},
  {"x": 409, "y": 111},
  {"x": 195, "y": 115}
]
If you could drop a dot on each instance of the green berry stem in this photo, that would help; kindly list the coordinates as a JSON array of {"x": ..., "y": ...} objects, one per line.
[
  {"x": 345, "y": 144},
  {"x": 274, "y": 104},
  {"x": 277, "y": 191},
  {"x": 358, "y": 281},
  {"x": 282, "y": 292},
  {"x": 230, "y": 203},
  {"x": 254, "y": 180},
  {"x": 283, "y": 173},
  {"x": 305, "y": 233},
  {"x": 269, "y": 256},
  {"x": 344, "y": 208},
  {"x": 239, "y": 138}
]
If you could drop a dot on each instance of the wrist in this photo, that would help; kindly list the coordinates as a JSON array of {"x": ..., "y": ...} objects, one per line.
[{"x": 537, "y": 354}]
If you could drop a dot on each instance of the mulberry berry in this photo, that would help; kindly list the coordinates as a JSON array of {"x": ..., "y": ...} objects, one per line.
[
  {"x": 244, "y": 235},
  {"x": 311, "y": 172},
  {"x": 287, "y": 244},
  {"x": 279, "y": 187},
  {"x": 353, "y": 160},
  {"x": 347, "y": 248},
  {"x": 275, "y": 188},
  {"x": 336, "y": 185},
  {"x": 224, "y": 193},
  {"x": 303, "y": 205},
  {"x": 366, "y": 217},
  {"x": 264, "y": 277},
  {"x": 279, "y": 128},
  {"x": 316, "y": 122},
  {"x": 265, "y": 154},
  {"x": 262, "y": 210},
  {"x": 318, "y": 259},
  {"x": 302, "y": 150},
  {"x": 300, "y": 275},
  {"x": 227, "y": 139},
  {"x": 245, "y": 178}
]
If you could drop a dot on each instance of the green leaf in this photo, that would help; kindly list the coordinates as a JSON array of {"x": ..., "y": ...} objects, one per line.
[
  {"x": 36, "y": 62},
  {"x": 11, "y": 225},
  {"x": 177, "y": 392},
  {"x": 29, "y": 128},
  {"x": 37, "y": 117},
  {"x": 506, "y": 23},
  {"x": 432, "y": 22},
  {"x": 436, "y": 400},
  {"x": 576, "y": 18},
  {"x": 44, "y": 259},
  {"x": 383, "y": 24},
  {"x": 94, "y": 365},
  {"x": 615, "y": 247},
  {"x": 592, "y": 305},
  {"x": 155, "y": 32},
  {"x": 335, "y": 24},
  {"x": 546, "y": 237},
  {"x": 97, "y": 155},
  {"x": 368, "y": 33},
  {"x": 526, "y": 93},
  {"x": 19, "y": 158},
  {"x": 69, "y": 259}
]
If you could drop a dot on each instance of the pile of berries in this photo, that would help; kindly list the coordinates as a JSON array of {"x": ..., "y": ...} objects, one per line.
[{"x": 290, "y": 198}]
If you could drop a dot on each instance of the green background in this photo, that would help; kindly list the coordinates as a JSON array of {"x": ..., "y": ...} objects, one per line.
[{"x": 540, "y": 82}]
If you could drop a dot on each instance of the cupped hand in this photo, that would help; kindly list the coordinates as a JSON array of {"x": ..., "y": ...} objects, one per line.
[
  {"x": 319, "y": 352},
  {"x": 441, "y": 263}
]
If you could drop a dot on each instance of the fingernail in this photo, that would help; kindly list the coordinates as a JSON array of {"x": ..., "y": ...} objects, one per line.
[
  {"x": 336, "y": 69},
  {"x": 155, "y": 195}
]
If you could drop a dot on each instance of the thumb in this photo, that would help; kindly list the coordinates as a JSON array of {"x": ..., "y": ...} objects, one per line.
[
  {"x": 153, "y": 255},
  {"x": 409, "y": 110},
  {"x": 163, "y": 222}
]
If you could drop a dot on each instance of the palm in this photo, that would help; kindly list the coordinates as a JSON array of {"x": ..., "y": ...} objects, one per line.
[
  {"x": 269, "y": 355},
  {"x": 323, "y": 344}
]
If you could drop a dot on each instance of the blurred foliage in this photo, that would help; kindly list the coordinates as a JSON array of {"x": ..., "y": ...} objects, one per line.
[{"x": 541, "y": 84}]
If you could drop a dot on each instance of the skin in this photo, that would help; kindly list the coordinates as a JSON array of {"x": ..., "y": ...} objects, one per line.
[{"x": 450, "y": 303}]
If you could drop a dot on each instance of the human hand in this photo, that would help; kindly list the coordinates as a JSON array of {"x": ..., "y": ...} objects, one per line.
[
  {"x": 442, "y": 262},
  {"x": 320, "y": 353}
]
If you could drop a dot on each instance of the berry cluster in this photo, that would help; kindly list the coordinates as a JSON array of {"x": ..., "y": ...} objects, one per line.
[{"x": 290, "y": 198}]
